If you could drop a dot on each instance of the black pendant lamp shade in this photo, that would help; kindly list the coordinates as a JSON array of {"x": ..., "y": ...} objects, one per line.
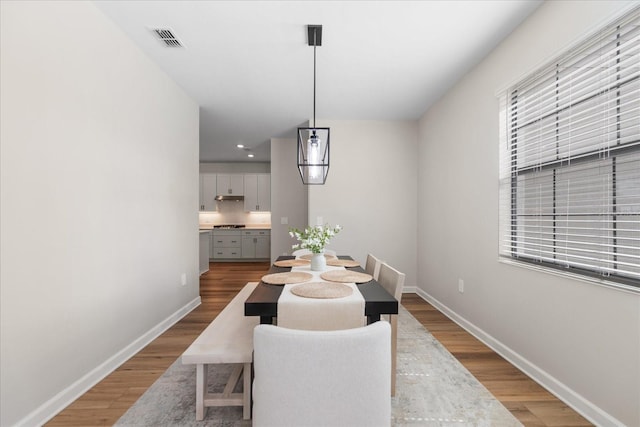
[{"x": 313, "y": 142}]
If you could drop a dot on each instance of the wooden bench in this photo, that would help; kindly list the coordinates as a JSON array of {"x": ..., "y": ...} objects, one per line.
[{"x": 228, "y": 339}]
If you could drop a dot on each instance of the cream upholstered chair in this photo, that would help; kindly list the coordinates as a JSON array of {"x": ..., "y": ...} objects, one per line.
[
  {"x": 300, "y": 252},
  {"x": 393, "y": 282},
  {"x": 372, "y": 266},
  {"x": 322, "y": 378}
]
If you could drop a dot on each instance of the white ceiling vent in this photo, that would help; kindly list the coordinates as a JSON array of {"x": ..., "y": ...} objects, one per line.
[{"x": 167, "y": 37}]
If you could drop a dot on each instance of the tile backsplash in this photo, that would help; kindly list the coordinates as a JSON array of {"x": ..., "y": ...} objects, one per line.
[{"x": 232, "y": 212}]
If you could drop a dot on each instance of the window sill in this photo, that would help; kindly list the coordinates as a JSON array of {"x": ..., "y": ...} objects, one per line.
[{"x": 591, "y": 280}]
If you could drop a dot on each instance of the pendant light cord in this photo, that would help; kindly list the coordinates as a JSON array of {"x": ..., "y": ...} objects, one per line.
[{"x": 314, "y": 77}]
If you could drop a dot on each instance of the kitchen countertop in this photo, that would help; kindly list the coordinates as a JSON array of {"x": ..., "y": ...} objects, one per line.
[{"x": 207, "y": 227}]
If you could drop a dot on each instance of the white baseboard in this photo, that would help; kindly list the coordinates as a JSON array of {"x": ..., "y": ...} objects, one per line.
[
  {"x": 53, "y": 406},
  {"x": 584, "y": 407}
]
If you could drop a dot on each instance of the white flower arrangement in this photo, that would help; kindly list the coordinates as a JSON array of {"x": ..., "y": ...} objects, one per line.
[{"x": 314, "y": 238}]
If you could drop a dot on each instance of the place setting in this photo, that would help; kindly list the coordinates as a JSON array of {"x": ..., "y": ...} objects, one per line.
[
  {"x": 321, "y": 290},
  {"x": 286, "y": 278},
  {"x": 347, "y": 263},
  {"x": 346, "y": 276},
  {"x": 296, "y": 262}
]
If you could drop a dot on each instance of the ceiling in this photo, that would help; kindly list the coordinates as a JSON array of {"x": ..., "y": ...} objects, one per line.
[{"x": 247, "y": 63}]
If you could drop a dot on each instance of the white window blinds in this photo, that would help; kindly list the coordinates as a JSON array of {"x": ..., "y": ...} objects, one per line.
[{"x": 570, "y": 160}]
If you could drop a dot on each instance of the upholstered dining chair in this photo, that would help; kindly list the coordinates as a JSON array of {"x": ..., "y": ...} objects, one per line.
[
  {"x": 393, "y": 282},
  {"x": 322, "y": 378},
  {"x": 372, "y": 266}
]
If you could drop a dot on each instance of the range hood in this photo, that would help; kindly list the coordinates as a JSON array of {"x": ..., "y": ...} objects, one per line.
[{"x": 224, "y": 198}]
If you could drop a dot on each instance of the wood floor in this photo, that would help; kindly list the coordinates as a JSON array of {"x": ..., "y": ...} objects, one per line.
[{"x": 110, "y": 399}]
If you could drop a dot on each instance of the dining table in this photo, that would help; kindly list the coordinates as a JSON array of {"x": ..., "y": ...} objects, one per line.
[{"x": 263, "y": 301}]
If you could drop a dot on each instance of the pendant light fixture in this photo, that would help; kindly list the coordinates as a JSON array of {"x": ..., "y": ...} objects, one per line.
[{"x": 313, "y": 142}]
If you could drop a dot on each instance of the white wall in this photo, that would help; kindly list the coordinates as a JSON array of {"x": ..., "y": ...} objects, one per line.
[
  {"x": 288, "y": 195},
  {"x": 99, "y": 203},
  {"x": 371, "y": 191},
  {"x": 582, "y": 340}
]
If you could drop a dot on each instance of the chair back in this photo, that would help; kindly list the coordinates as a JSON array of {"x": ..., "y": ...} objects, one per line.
[
  {"x": 391, "y": 280},
  {"x": 328, "y": 378},
  {"x": 372, "y": 266}
]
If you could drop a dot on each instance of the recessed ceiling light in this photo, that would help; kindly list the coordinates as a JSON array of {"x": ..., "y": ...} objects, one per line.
[
  {"x": 249, "y": 155},
  {"x": 240, "y": 146}
]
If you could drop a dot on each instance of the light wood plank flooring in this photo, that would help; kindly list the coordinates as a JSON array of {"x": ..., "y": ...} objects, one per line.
[{"x": 109, "y": 399}]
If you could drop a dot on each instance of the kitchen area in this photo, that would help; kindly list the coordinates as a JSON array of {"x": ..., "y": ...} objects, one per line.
[{"x": 234, "y": 214}]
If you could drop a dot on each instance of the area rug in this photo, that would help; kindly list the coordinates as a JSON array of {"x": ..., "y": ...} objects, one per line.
[{"x": 432, "y": 389}]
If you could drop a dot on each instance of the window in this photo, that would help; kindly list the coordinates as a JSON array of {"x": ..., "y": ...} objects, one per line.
[{"x": 570, "y": 160}]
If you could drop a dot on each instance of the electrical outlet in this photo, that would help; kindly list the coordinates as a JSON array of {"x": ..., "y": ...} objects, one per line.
[
  {"x": 183, "y": 279},
  {"x": 461, "y": 286},
  {"x": 319, "y": 221},
  {"x": 284, "y": 220}
]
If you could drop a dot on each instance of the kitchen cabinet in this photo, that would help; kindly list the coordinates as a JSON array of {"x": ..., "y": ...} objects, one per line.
[
  {"x": 205, "y": 244},
  {"x": 230, "y": 184},
  {"x": 256, "y": 244},
  {"x": 257, "y": 192},
  {"x": 226, "y": 244},
  {"x": 208, "y": 182}
]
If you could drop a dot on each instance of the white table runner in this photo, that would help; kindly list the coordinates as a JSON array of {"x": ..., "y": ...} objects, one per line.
[{"x": 314, "y": 314}]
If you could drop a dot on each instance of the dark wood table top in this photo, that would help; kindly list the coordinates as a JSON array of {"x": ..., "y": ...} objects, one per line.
[{"x": 263, "y": 301}]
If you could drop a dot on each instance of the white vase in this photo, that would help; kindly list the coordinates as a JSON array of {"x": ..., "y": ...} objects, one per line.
[{"x": 318, "y": 262}]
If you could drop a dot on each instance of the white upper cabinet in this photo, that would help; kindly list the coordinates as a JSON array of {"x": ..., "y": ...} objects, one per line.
[
  {"x": 257, "y": 192},
  {"x": 208, "y": 192},
  {"x": 264, "y": 192},
  {"x": 230, "y": 184}
]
